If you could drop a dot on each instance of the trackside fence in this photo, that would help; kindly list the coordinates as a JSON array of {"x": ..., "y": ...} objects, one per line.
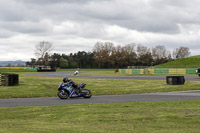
[{"x": 152, "y": 71}]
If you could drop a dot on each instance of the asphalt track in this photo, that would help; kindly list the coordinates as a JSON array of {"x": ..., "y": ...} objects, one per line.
[
  {"x": 136, "y": 77},
  {"x": 170, "y": 96},
  {"x": 46, "y": 101}
]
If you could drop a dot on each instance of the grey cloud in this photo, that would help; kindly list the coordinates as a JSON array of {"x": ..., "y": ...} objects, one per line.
[
  {"x": 9, "y": 12},
  {"x": 90, "y": 19},
  {"x": 5, "y": 33},
  {"x": 45, "y": 2},
  {"x": 150, "y": 18},
  {"x": 25, "y": 27},
  {"x": 157, "y": 16}
]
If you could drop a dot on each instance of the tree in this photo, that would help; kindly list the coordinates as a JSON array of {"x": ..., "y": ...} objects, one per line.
[
  {"x": 142, "y": 50},
  {"x": 81, "y": 58},
  {"x": 144, "y": 56},
  {"x": 102, "y": 52},
  {"x": 116, "y": 57},
  {"x": 31, "y": 63},
  {"x": 129, "y": 54},
  {"x": 63, "y": 63},
  {"x": 84, "y": 59},
  {"x": 74, "y": 64},
  {"x": 181, "y": 52},
  {"x": 160, "y": 54},
  {"x": 46, "y": 59},
  {"x": 55, "y": 60},
  {"x": 42, "y": 51}
]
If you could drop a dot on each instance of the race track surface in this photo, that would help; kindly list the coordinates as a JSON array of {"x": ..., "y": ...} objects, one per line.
[
  {"x": 136, "y": 77},
  {"x": 170, "y": 96}
]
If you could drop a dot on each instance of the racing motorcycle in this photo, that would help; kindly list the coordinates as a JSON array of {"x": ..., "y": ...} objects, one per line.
[{"x": 72, "y": 89}]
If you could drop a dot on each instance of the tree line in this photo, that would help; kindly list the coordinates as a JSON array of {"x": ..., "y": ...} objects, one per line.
[{"x": 107, "y": 55}]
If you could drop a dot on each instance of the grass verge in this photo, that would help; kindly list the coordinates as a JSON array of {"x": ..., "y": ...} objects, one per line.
[
  {"x": 58, "y": 70},
  {"x": 35, "y": 86},
  {"x": 189, "y": 62},
  {"x": 137, "y": 117}
]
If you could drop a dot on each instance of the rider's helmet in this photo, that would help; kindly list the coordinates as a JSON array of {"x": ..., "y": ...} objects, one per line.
[{"x": 65, "y": 79}]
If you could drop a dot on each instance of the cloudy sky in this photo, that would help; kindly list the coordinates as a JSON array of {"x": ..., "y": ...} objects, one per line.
[{"x": 76, "y": 25}]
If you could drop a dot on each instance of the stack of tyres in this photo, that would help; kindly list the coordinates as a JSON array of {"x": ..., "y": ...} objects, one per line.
[
  {"x": 3, "y": 80},
  {"x": 175, "y": 80},
  {"x": 9, "y": 79},
  {"x": 15, "y": 79}
]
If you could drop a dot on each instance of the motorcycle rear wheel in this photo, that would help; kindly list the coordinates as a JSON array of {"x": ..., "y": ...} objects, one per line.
[
  {"x": 62, "y": 94},
  {"x": 86, "y": 93}
]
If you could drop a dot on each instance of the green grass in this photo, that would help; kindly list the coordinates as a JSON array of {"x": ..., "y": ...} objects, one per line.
[
  {"x": 35, "y": 86},
  {"x": 190, "y": 62},
  {"x": 15, "y": 70},
  {"x": 136, "y": 117},
  {"x": 196, "y": 56},
  {"x": 58, "y": 70}
]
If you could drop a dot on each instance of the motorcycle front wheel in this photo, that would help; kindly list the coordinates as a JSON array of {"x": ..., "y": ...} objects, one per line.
[
  {"x": 62, "y": 94},
  {"x": 86, "y": 93}
]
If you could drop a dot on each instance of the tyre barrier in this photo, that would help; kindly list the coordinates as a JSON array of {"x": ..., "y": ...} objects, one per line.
[
  {"x": 9, "y": 79},
  {"x": 175, "y": 80}
]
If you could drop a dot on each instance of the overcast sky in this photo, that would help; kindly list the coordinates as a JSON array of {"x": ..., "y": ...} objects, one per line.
[{"x": 76, "y": 25}]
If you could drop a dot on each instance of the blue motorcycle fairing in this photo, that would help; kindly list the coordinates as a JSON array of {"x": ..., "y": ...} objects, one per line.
[
  {"x": 69, "y": 89},
  {"x": 82, "y": 85}
]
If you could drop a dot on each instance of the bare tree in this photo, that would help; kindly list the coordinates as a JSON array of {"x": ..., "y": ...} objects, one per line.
[
  {"x": 98, "y": 53},
  {"x": 144, "y": 55},
  {"x": 42, "y": 48},
  {"x": 42, "y": 51},
  {"x": 160, "y": 54},
  {"x": 117, "y": 57},
  {"x": 102, "y": 52},
  {"x": 129, "y": 54},
  {"x": 142, "y": 50},
  {"x": 181, "y": 52}
]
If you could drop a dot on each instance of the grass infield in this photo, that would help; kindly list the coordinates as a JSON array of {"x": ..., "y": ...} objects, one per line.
[{"x": 136, "y": 117}]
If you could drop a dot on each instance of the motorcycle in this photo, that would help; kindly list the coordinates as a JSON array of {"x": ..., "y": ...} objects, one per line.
[{"x": 72, "y": 89}]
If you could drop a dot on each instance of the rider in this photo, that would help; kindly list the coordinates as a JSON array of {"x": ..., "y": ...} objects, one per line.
[
  {"x": 76, "y": 72},
  {"x": 65, "y": 80},
  {"x": 198, "y": 70},
  {"x": 69, "y": 83}
]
